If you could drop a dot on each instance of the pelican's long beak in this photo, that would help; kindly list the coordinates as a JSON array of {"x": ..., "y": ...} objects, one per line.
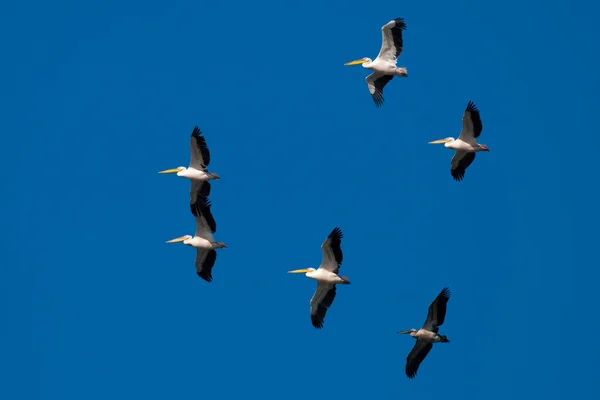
[
  {"x": 169, "y": 171},
  {"x": 179, "y": 239},
  {"x": 356, "y": 62},
  {"x": 403, "y": 332},
  {"x": 440, "y": 141},
  {"x": 298, "y": 271}
]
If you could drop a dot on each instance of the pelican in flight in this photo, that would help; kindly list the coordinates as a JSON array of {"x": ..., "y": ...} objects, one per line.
[
  {"x": 466, "y": 145},
  {"x": 197, "y": 172},
  {"x": 428, "y": 334},
  {"x": 203, "y": 240},
  {"x": 384, "y": 67},
  {"x": 326, "y": 276}
]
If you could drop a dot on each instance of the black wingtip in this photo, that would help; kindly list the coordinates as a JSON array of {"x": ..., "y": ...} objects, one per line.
[
  {"x": 457, "y": 175},
  {"x": 196, "y": 132},
  {"x": 202, "y": 205},
  {"x": 206, "y": 276},
  {"x": 317, "y": 324},
  {"x": 400, "y": 24},
  {"x": 471, "y": 107},
  {"x": 445, "y": 293},
  {"x": 336, "y": 233}
]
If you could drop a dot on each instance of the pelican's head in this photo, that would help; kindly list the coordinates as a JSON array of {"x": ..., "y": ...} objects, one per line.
[
  {"x": 443, "y": 141},
  {"x": 301, "y": 271},
  {"x": 172, "y": 171},
  {"x": 358, "y": 62},
  {"x": 408, "y": 331},
  {"x": 185, "y": 239}
]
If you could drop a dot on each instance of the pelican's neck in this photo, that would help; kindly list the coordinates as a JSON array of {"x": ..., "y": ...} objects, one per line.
[{"x": 451, "y": 145}]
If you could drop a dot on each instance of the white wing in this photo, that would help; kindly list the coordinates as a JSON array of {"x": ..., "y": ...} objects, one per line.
[
  {"x": 320, "y": 302},
  {"x": 332, "y": 251},
  {"x": 391, "y": 40},
  {"x": 376, "y": 82},
  {"x": 471, "y": 124},
  {"x": 199, "y": 153}
]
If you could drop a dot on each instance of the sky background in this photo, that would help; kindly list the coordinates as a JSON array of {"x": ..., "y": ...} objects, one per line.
[{"x": 98, "y": 96}]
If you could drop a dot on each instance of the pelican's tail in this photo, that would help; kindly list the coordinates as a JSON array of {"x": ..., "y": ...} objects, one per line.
[
  {"x": 345, "y": 280},
  {"x": 444, "y": 339}
]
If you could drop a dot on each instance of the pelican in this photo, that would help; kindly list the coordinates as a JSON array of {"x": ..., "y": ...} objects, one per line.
[
  {"x": 197, "y": 172},
  {"x": 466, "y": 145},
  {"x": 203, "y": 240},
  {"x": 326, "y": 276},
  {"x": 428, "y": 334},
  {"x": 384, "y": 67}
]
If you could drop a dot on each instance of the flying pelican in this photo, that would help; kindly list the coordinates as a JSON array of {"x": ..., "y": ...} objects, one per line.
[
  {"x": 197, "y": 172},
  {"x": 203, "y": 240},
  {"x": 326, "y": 276},
  {"x": 428, "y": 334},
  {"x": 466, "y": 145},
  {"x": 384, "y": 67}
]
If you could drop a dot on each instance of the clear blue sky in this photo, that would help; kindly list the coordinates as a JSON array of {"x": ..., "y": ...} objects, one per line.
[{"x": 97, "y": 97}]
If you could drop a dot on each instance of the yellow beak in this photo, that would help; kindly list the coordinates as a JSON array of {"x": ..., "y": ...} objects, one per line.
[
  {"x": 356, "y": 62},
  {"x": 179, "y": 239},
  {"x": 168, "y": 171},
  {"x": 440, "y": 141},
  {"x": 298, "y": 271}
]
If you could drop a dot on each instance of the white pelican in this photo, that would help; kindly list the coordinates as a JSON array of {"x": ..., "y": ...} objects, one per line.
[
  {"x": 466, "y": 145},
  {"x": 203, "y": 240},
  {"x": 326, "y": 276},
  {"x": 428, "y": 334},
  {"x": 197, "y": 172},
  {"x": 384, "y": 67}
]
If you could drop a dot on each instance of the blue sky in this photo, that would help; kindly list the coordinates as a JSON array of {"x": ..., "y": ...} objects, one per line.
[{"x": 97, "y": 97}]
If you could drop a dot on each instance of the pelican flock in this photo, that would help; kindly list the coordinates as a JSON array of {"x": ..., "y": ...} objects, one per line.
[
  {"x": 203, "y": 240},
  {"x": 384, "y": 67},
  {"x": 327, "y": 276}
]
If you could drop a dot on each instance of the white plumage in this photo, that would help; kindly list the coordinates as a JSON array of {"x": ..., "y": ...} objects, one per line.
[
  {"x": 326, "y": 276},
  {"x": 384, "y": 67}
]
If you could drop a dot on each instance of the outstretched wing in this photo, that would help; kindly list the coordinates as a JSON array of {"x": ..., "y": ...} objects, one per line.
[
  {"x": 199, "y": 193},
  {"x": 205, "y": 223},
  {"x": 332, "y": 251},
  {"x": 391, "y": 40},
  {"x": 460, "y": 163},
  {"x": 416, "y": 357},
  {"x": 320, "y": 302},
  {"x": 471, "y": 123},
  {"x": 199, "y": 153},
  {"x": 437, "y": 311},
  {"x": 376, "y": 82},
  {"x": 205, "y": 260}
]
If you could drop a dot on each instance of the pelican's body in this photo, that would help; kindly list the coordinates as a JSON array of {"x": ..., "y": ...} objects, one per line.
[
  {"x": 466, "y": 145},
  {"x": 203, "y": 240},
  {"x": 326, "y": 276},
  {"x": 428, "y": 334},
  {"x": 384, "y": 66},
  {"x": 197, "y": 172}
]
